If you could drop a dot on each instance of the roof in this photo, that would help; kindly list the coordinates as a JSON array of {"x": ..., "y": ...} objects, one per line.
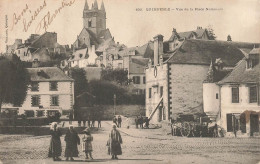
[
  {"x": 195, "y": 51},
  {"x": 138, "y": 65},
  {"x": 243, "y": 75},
  {"x": 48, "y": 74},
  {"x": 79, "y": 55},
  {"x": 198, "y": 33}
]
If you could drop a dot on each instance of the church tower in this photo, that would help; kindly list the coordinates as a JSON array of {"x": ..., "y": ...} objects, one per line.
[{"x": 94, "y": 19}]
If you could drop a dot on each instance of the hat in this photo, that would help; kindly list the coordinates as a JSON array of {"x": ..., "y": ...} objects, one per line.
[{"x": 114, "y": 126}]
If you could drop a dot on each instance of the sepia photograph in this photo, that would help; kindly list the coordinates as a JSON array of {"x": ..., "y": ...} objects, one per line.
[{"x": 130, "y": 81}]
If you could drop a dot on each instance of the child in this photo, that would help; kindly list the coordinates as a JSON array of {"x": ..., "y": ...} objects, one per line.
[{"x": 86, "y": 144}]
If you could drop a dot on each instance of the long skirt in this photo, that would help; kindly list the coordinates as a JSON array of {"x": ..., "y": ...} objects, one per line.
[
  {"x": 116, "y": 148},
  {"x": 71, "y": 150},
  {"x": 55, "y": 148}
]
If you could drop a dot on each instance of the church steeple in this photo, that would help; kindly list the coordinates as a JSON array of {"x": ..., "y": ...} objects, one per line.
[
  {"x": 95, "y": 7},
  {"x": 102, "y": 6},
  {"x": 86, "y": 5}
]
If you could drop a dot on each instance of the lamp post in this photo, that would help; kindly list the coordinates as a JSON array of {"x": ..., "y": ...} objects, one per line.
[{"x": 114, "y": 104}]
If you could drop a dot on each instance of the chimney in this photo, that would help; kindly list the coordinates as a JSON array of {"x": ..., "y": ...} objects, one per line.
[
  {"x": 35, "y": 63},
  {"x": 158, "y": 48},
  {"x": 174, "y": 30}
]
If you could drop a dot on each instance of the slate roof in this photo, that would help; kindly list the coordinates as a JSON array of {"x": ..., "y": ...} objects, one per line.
[
  {"x": 79, "y": 54},
  {"x": 198, "y": 33},
  {"x": 195, "y": 51},
  {"x": 243, "y": 75},
  {"x": 48, "y": 74},
  {"x": 138, "y": 65}
]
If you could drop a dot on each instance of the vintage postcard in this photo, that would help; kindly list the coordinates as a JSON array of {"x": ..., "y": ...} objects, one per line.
[{"x": 130, "y": 81}]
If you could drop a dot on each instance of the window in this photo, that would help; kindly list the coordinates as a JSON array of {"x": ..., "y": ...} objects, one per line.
[
  {"x": 53, "y": 86},
  {"x": 54, "y": 100},
  {"x": 229, "y": 123},
  {"x": 252, "y": 94},
  {"x": 35, "y": 101},
  {"x": 80, "y": 55},
  {"x": 136, "y": 79},
  {"x": 235, "y": 95},
  {"x": 252, "y": 61},
  {"x": 216, "y": 95},
  {"x": 161, "y": 91},
  {"x": 34, "y": 86},
  {"x": 40, "y": 113},
  {"x": 150, "y": 92},
  {"x": 89, "y": 23},
  {"x": 144, "y": 80},
  {"x": 119, "y": 65}
]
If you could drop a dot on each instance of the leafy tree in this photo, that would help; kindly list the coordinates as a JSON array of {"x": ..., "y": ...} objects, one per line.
[
  {"x": 117, "y": 75},
  {"x": 229, "y": 38},
  {"x": 211, "y": 33},
  {"x": 80, "y": 84},
  {"x": 14, "y": 81}
]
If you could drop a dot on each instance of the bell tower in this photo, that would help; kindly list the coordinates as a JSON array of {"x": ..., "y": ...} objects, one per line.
[{"x": 94, "y": 19}]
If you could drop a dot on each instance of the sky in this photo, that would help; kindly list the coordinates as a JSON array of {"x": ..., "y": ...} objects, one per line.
[{"x": 238, "y": 18}]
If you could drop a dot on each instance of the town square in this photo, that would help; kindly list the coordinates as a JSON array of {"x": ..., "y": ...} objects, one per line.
[{"x": 113, "y": 81}]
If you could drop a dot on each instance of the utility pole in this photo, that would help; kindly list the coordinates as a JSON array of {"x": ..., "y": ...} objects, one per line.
[{"x": 114, "y": 104}]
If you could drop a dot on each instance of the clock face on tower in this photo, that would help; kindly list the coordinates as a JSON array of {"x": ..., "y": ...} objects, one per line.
[{"x": 155, "y": 71}]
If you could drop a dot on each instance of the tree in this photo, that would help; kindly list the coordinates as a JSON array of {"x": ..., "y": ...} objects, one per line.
[
  {"x": 117, "y": 75},
  {"x": 14, "y": 81},
  {"x": 229, "y": 38},
  {"x": 80, "y": 84},
  {"x": 211, "y": 33}
]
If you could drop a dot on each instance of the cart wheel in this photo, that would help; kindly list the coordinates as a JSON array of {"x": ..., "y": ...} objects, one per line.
[{"x": 185, "y": 129}]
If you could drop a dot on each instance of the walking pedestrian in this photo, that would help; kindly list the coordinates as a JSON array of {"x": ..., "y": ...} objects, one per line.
[
  {"x": 72, "y": 140},
  {"x": 115, "y": 120},
  {"x": 55, "y": 144},
  {"x": 114, "y": 143},
  {"x": 86, "y": 143},
  {"x": 119, "y": 120}
]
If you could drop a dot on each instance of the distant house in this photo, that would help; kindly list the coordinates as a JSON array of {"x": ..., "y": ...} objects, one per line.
[
  {"x": 239, "y": 97},
  {"x": 39, "y": 47},
  {"x": 174, "y": 83},
  {"x": 79, "y": 58},
  {"x": 178, "y": 37},
  {"x": 50, "y": 91}
]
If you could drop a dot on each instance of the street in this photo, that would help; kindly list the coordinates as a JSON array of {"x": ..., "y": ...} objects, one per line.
[{"x": 139, "y": 146}]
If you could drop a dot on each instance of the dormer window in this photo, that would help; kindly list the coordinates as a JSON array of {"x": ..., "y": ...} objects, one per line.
[{"x": 252, "y": 61}]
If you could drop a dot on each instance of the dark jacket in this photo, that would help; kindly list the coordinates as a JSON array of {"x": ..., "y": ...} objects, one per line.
[
  {"x": 55, "y": 144},
  {"x": 72, "y": 140}
]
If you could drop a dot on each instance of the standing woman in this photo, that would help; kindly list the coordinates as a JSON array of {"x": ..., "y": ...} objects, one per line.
[
  {"x": 72, "y": 140},
  {"x": 114, "y": 143},
  {"x": 55, "y": 144}
]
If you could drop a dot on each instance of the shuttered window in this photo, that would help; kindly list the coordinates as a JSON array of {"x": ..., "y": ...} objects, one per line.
[
  {"x": 54, "y": 100},
  {"x": 235, "y": 95},
  {"x": 136, "y": 79},
  {"x": 252, "y": 94}
]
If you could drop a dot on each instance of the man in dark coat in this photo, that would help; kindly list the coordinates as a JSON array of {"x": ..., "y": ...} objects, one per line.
[
  {"x": 72, "y": 140},
  {"x": 119, "y": 120},
  {"x": 55, "y": 144},
  {"x": 114, "y": 143},
  {"x": 141, "y": 122},
  {"x": 136, "y": 122},
  {"x": 115, "y": 120}
]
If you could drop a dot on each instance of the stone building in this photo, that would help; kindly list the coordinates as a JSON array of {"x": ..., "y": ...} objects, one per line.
[{"x": 174, "y": 83}]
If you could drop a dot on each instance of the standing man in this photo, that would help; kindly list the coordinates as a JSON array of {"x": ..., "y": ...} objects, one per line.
[
  {"x": 99, "y": 121},
  {"x": 141, "y": 122},
  {"x": 88, "y": 121},
  {"x": 93, "y": 122},
  {"x": 114, "y": 143},
  {"x": 115, "y": 120},
  {"x": 72, "y": 140},
  {"x": 70, "y": 118},
  {"x": 136, "y": 122},
  {"x": 119, "y": 120}
]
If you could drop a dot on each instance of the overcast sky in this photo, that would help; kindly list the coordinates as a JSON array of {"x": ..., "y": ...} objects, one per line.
[{"x": 239, "y": 18}]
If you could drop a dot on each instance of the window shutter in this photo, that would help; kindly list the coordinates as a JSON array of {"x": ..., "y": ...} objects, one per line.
[{"x": 258, "y": 94}]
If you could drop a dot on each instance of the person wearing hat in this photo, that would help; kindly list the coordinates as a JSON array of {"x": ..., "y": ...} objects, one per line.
[
  {"x": 86, "y": 143},
  {"x": 71, "y": 139},
  {"x": 114, "y": 143},
  {"x": 55, "y": 144}
]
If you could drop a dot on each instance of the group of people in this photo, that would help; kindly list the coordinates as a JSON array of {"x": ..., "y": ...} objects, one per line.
[
  {"x": 117, "y": 121},
  {"x": 140, "y": 120},
  {"x": 72, "y": 140},
  {"x": 91, "y": 122}
]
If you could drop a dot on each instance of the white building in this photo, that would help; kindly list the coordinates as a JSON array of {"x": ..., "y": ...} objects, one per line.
[
  {"x": 79, "y": 58},
  {"x": 50, "y": 91},
  {"x": 239, "y": 97}
]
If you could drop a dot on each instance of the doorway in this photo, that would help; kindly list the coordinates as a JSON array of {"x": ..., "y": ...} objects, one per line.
[{"x": 254, "y": 124}]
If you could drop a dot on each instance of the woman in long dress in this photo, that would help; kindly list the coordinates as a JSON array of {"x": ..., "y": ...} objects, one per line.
[
  {"x": 114, "y": 143},
  {"x": 55, "y": 144},
  {"x": 72, "y": 140}
]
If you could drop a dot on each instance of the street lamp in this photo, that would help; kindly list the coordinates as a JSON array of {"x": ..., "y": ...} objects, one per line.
[{"x": 114, "y": 104}]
